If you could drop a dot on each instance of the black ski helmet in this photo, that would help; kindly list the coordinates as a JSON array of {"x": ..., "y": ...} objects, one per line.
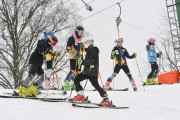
[
  {"x": 52, "y": 39},
  {"x": 79, "y": 29}
]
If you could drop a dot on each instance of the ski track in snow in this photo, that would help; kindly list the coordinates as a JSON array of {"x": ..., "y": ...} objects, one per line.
[{"x": 155, "y": 103}]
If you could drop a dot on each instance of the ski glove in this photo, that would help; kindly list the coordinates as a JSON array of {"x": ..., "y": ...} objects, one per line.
[
  {"x": 73, "y": 53},
  {"x": 134, "y": 55},
  {"x": 160, "y": 54},
  {"x": 113, "y": 54},
  {"x": 54, "y": 53},
  {"x": 79, "y": 60},
  {"x": 112, "y": 57},
  {"x": 58, "y": 54}
]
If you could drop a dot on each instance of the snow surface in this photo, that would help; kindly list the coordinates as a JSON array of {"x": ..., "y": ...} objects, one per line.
[{"x": 155, "y": 103}]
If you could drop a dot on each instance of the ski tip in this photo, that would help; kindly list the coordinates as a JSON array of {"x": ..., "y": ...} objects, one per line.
[{"x": 74, "y": 105}]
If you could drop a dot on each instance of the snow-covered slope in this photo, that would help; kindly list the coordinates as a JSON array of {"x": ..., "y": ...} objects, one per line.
[{"x": 155, "y": 103}]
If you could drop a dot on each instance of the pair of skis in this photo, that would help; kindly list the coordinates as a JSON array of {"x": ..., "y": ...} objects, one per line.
[
  {"x": 144, "y": 84},
  {"x": 96, "y": 106},
  {"x": 86, "y": 104},
  {"x": 46, "y": 97},
  {"x": 42, "y": 95}
]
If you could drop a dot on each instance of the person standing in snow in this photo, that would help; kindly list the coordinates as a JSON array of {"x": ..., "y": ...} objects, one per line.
[
  {"x": 44, "y": 46},
  {"x": 119, "y": 53},
  {"x": 90, "y": 71},
  {"x": 75, "y": 52},
  {"x": 152, "y": 59},
  {"x": 49, "y": 62}
]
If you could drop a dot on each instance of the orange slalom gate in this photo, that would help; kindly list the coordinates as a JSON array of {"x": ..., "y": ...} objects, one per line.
[{"x": 169, "y": 77}]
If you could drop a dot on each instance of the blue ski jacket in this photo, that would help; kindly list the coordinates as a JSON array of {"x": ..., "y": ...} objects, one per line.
[{"x": 152, "y": 54}]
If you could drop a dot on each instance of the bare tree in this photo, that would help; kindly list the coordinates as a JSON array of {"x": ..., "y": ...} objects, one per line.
[
  {"x": 21, "y": 25},
  {"x": 168, "y": 62}
]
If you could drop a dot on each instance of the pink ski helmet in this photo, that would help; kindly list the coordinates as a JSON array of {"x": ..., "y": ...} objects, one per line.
[{"x": 151, "y": 40}]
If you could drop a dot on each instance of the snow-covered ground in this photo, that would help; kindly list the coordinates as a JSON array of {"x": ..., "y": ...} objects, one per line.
[{"x": 155, "y": 103}]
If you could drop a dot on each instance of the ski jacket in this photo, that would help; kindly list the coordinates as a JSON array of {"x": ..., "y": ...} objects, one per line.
[
  {"x": 73, "y": 47},
  {"x": 91, "y": 62},
  {"x": 42, "y": 48},
  {"x": 120, "y": 54},
  {"x": 152, "y": 54}
]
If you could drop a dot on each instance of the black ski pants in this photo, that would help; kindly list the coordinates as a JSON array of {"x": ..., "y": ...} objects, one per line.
[
  {"x": 33, "y": 69},
  {"x": 74, "y": 66},
  {"x": 154, "y": 70},
  {"x": 94, "y": 81},
  {"x": 125, "y": 69}
]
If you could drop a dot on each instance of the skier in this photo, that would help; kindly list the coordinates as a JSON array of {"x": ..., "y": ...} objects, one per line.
[
  {"x": 90, "y": 71},
  {"x": 152, "y": 59},
  {"x": 74, "y": 50},
  {"x": 119, "y": 53},
  {"x": 49, "y": 62},
  {"x": 43, "y": 47}
]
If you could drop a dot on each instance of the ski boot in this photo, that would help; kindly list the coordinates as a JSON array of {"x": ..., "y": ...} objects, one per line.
[
  {"x": 33, "y": 91},
  {"x": 79, "y": 98},
  {"x": 40, "y": 88},
  {"x": 148, "y": 82},
  {"x": 39, "y": 85},
  {"x": 46, "y": 84},
  {"x": 107, "y": 86},
  {"x": 134, "y": 86},
  {"x": 105, "y": 103},
  {"x": 154, "y": 81},
  {"x": 68, "y": 86},
  {"x": 23, "y": 91}
]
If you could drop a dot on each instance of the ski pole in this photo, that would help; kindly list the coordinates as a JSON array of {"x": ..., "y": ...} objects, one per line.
[
  {"x": 139, "y": 72},
  {"x": 45, "y": 76},
  {"x": 73, "y": 84},
  {"x": 159, "y": 65},
  {"x": 71, "y": 92},
  {"x": 75, "y": 72},
  {"x": 85, "y": 84},
  {"x": 101, "y": 79},
  {"x": 113, "y": 70}
]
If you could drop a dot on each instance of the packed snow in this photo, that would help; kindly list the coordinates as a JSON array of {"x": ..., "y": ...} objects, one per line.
[{"x": 155, "y": 103}]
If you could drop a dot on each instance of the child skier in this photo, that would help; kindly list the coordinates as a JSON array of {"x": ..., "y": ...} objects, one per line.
[
  {"x": 44, "y": 46},
  {"x": 90, "y": 71},
  {"x": 119, "y": 53},
  {"x": 49, "y": 63},
  {"x": 152, "y": 59},
  {"x": 74, "y": 50}
]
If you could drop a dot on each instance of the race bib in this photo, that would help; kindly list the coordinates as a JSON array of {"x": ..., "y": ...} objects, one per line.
[
  {"x": 117, "y": 52},
  {"x": 76, "y": 43}
]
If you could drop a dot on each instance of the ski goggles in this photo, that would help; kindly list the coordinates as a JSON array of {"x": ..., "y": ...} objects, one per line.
[
  {"x": 80, "y": 31},
  {"x": 119, "y": 40},
  {"x": 53, "y": 43}
]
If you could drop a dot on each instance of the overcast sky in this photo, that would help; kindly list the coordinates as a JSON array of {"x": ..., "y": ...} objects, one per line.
[{"x": 144, "y": 14}]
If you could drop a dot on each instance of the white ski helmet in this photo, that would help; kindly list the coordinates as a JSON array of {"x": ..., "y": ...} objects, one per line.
[
  {"x": 119, "y": 40},
  {"x": 87, "y": 41},
  {"x": 151, "y": 40}
]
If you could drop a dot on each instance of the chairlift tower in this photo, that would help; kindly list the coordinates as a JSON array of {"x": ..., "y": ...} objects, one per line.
[{"x": 173, "y": 10}]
